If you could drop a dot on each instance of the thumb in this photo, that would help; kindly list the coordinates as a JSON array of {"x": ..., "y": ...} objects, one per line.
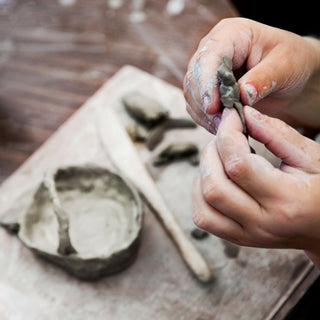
[{"x": 291, "y": 147}]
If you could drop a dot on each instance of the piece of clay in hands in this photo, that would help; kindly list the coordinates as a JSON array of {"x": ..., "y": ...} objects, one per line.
[
  {"x": 229, "y": 89},
  {"x": 230, "y": 92}
]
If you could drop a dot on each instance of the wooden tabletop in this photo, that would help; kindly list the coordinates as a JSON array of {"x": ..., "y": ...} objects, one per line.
[{"x": 55, "y": 54}]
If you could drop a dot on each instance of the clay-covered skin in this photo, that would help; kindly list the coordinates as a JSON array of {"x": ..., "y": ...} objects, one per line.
[
  {"x": 105, "y": 217},
  {"x": 229, "y": 89},
  {"x": 144, "y": 109},
  {"x": 176, "y": 151}
]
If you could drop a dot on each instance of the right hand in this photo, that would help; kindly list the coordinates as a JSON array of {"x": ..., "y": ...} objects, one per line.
[
  {"x": 241, "y": 197},
  {"x": 276, "y": 65}
]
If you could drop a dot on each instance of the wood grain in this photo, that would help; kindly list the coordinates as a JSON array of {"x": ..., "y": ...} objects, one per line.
[{"x": 53, "y": 57}]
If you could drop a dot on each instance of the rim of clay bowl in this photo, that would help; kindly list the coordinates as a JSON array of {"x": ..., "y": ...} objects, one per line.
[{"x": 138, "y": 217}]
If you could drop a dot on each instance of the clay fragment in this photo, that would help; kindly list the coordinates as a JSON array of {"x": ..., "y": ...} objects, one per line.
[
  {"x": 144, "y": 109},
  {"x": 176, "y": 151},
  {"x": 137, "y": 132},
  {"x": 199, "y": 234},
  {"x": 98, "y": 230},
  {"x": 229, "y": 89},
  {"x": 156, "y": 135},
  {"x": 230, "y": 250},
  {"x": 230, "y": 92}
]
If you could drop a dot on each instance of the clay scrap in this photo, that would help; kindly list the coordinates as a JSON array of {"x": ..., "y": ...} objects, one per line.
[
  {"x": 156, "y": 135},
  {"x": 199, "y": 234},
  {"x": 85, "y": 219},
  {"x": 152, "y": 119},
  {"x": 137, "y": 132},
  {"x": 229, "y": 91},
  {"x": 144, "y": 109},
  {"x": 177, "y": 151}
]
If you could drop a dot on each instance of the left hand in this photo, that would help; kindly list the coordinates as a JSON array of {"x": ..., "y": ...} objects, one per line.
[
  {"x": 241, "y": 197},
  {"x": 279, "y": 70}
]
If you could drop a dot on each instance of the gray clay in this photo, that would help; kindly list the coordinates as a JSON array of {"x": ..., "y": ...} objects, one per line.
[
  {"x": 199, "y": 234},
  {"x": 176, "y": 151},
  {"x": 157, "y": 134},
  {"x": 96, "y": 229},
  {"x": 137, "y": 132},
  {"x": 230, "y": 92},
  {"x": 230, "y": 250},
  {"x": 65, "y": 246},
  {"x": 144, "y": 109},
  {"x": 229, "y": 89}
]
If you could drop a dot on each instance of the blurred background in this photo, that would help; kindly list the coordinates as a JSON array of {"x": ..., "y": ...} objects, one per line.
[{"x": 54, "y": 54}]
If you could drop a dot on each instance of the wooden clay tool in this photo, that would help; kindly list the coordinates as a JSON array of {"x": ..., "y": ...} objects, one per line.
[{"x": 125, "y": 158}]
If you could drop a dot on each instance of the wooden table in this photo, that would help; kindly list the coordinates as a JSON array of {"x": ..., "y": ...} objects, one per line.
[{"x": 55, "y": 54}]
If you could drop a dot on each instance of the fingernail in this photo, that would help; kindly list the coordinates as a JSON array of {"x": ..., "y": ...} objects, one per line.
[
  {"x": 206, "y": 103},
  {"x": 225, "y": 113},
  {"x": 251, "y": 94}
]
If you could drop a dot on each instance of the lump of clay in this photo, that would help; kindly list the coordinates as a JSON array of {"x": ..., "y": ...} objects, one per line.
[
  {"x": 229, "y": 89},
  {"x": 230, "y": 92},
  {"x": 137, "y": 132},
  {"x": 199, "y": 234},
  {"x": 230, "y": 250},
  {"x": 177, "y": 151},
  {"x": 86, "y": 219},
  {"x": 156, "y": 134},
  {"x": 144, "y": 109}
]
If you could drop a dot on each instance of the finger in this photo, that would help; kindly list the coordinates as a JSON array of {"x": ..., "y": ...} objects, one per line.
[
  {"x": 204, "y": 70},
  {"x": 191, "y": 87},
  {"x": 211, "y": 220},
  {"x": 194, "y": 106},
  {"x": 286, "y": 143},
  {"x": 230, "y": 37},
  {"x": 251, "y": 172},
  {"x": 273, "y": 72},
  {"x": 223, "y": 194},
  {"x": 209, "y": 122}
]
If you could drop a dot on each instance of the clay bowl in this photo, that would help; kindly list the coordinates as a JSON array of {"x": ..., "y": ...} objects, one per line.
[{"x": 98, "y": 228}]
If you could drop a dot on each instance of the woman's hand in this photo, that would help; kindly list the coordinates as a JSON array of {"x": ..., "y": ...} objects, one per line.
[
  {"x": 241, "y": 197},
  {"x": 275, "y": 65}
]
